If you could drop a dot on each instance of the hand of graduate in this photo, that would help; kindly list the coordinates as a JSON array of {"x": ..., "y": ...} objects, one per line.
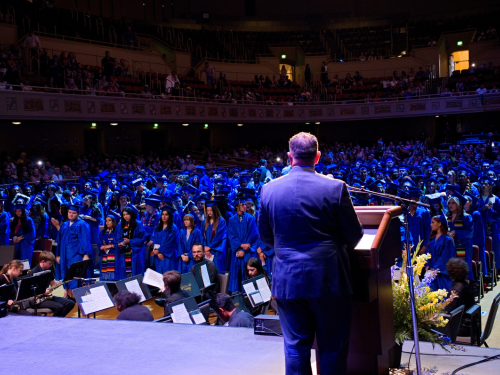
[
  {"x": 54, "y": 222},
  {"x": 85, "y": 257},
  {"x": 149, "y": 243},
  {"x": 126, "y": 241},
  {"x": 207, "y": 249},
  {"x": 58, "y": 259},
  {"x": 240, "y": 254},
  {"x": 160, "y": 256},
  {"x": 452, "y": 233},
  {"x": 185, "y": 258},
  {"x": 245, "y": 246},
  {"x": 262, "y": 256}
]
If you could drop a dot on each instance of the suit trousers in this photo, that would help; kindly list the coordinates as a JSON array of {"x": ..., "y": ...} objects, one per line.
[{"x": 329, "y": 319}]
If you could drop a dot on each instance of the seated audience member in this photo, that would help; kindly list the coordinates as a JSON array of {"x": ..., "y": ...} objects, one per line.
[
  {"x": 60, "y": 306},
  {"x": 8, "y": 274},
  {"x": 172, "y": 290},
  {"x": 213, "y": 273},
  {"x": 127, "y": 303},
  {"x": 223, "y": 305},
  {"x": 458, "y": 270}
]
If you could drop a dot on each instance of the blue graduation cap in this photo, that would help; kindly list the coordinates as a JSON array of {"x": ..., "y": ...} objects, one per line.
[
  {"x": 472, "y": 198},
  {"x": 200, "y": 199},
  {"x": 391, "y": 185},
  {"x": 165, "y": 199},
  {"x": 431, "y": 179},
  {"x": 152, "y": 202},
  {"x": 413, "y": 192},
  {"x": 452, "y": 187},
  {"x": 244, "y": 178},
  {"x": 114, "y": 215},
  {"x": 239, "y": 200},
  {"x": 434, "y": 198},
  {"x": 249, "y": 198},
  {"x": 168, "y": 208},
  {"x": 176, "y": 196},
  {"x": 124, "y": 193},
  {"x": 74, "y": 207},
  {"x": 137, "y": 182},
  {"x": 330, "y": 166},
  {"x": 219, "y": 181},
  {"x": 103, "y": 174},
  {"x": 225, "y": 190},
  {"x": 188, "y": 189},
  {"x": 211, "y": 204},
  {"x": 20, "y": 206},
  {"x": 486, "y": 178},
  {"x": 375, "y": 184},
  {"x": 460, "y": 197}
]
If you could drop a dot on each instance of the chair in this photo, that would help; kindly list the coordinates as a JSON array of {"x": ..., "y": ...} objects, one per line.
[
  {"x": 474, "y": 316},
  {"x": 488, "y": 328},
  {"x": 205, "y": 309},
  {"x": 35, "y": 259},
  {"x": 451, "y": 329},
  {"x": 224, "y": 282},
  {"x": 43, "y": 244},
  {"x": 40, "y": 312},
  {"x": 479, "y": 276}
]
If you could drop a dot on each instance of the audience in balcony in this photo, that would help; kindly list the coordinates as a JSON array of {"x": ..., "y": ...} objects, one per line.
[
  {"x": 209, "y": 73},
  {"x": 108, "y": 65},
  {"x": 129, "y": 38}
]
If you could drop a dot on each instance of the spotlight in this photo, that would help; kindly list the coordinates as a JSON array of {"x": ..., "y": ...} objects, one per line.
[
  {"x": 240, "y": 124},
  {"x": 113, "y": 123},
  {"x": 437, "y": 116},
  {"x": 185, "y": 124},
  {"x": 317, "y": 123},
  {"x": 16, "y": 122}
]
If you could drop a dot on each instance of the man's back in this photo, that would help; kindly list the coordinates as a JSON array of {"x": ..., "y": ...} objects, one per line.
[{"x": 309, "y": 220}]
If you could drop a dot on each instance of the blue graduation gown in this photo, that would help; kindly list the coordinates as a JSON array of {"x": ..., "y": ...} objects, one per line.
[
  {"x": 107, "y": 239},
  {"x": 52, "y": 229},
  {"x": 137, "y": 244},
  {"x": 420, "y": 225},
  {"x": 464, "y": 234},
  {"x": 24, "y": 248},
  {"x": 73, "y": 242},
  {"x": 186, "y": 247},
  {"x": 478, "y": 238},
  {"x": 94, "y": 225},
  {"x": 269, "y": 258},
  {"x": 167, "y": 239},
  {"x": 43, "y": 228},
  {"x": 4, "y": 227},
  {"x": 149, "y": 222},
  {"x": 491, "y": 218},
  {"x": 217, "y": 244},
  {"x": 244, "y": 232},
  {"x": 441, "y": 250}
]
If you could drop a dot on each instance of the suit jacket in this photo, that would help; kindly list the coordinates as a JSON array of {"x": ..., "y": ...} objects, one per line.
[
  {"x": 310, "y": 222},
  {"x": 136, "y": 312}
]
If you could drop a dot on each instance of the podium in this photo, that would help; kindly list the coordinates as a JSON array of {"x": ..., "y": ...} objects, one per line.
[{"x": 372, "y": 345}]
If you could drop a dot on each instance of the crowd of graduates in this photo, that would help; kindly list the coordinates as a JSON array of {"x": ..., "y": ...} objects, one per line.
[{"x": 144, "y": 218}]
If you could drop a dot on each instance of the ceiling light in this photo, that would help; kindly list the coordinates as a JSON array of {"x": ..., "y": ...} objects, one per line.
[
  {"x": 16, "y": 122},
  {"x": 113, "y": 123},
  {"x": 317, "y": 123},
  {"x": 240, "y": 124},
  {"x": 185, "y": 124}
]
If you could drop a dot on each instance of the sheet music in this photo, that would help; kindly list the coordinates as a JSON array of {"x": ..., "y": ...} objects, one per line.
[
  {"x": 134, "y": 287},
  {"x": 205, "y": 276},
  {"x": 101, "y": 298},
  {"x": 198, "y": 317},
  {"x": 156, "y": 246},
  {"x": 180, "y": 314},
  {"x": 256, "y": 297},
  {"x": 153, "y": 278},
  {"x": 26, "y": 265},
  {"x": 249, "y": 288},
  {"x": 88, "y": 304},
  {"x": 264, "y": 290}
]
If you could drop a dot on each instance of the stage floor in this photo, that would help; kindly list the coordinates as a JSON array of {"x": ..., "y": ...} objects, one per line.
[{"x": 95, "y": 346}]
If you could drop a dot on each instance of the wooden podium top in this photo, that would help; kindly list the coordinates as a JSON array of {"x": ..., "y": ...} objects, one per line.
[{"x": 376, "y": 221}]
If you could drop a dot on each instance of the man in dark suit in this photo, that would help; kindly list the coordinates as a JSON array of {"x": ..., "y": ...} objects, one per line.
[{"x": 310, "y": 222}]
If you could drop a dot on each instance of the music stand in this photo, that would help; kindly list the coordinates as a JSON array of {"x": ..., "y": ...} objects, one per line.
[
  {"x": 198, "y": 275},
  {"x": 77, "y": 270},
  {"x": 189, "y": 284},
  {"x": 6, "y": 293},
  {"x": 33, "y": 286},
  {"x": 122, "y": 285},
  {"x": 103, "y": 301}
]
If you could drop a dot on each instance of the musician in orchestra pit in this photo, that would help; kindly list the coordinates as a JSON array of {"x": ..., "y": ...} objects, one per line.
[
  {"x": 8, "y": 274},
  {"x": 60, "y": 306},
  {"x": 310, "y": 222}
]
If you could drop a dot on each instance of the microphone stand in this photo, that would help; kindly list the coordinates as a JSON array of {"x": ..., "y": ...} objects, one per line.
[{"x": 405, "y": 205}]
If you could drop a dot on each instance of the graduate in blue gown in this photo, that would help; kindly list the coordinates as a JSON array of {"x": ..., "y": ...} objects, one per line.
[
  {"x": 489, "y": 208},
  {"x": 243, "y": 238},
  {"x": 419, "y": 221},
  {"x": 188, "y": 236},
  {"x": 23, "y": 233},
  {"x": 150, "y": 218},
  {"x": 55, "y": 218},
  {"x": 129, "y": 242},
  {"x": 73, "y": 243},
  {"x": 92, "y": 214},
  {"x": 266, "y": 256},
  {"x": 461, "y": 229},
  {"x": 214, "y": 236},
  {"x": 107, "y": 248},
  {"x": 40, "y": 219},
  {"x": 441, "y": 248},
  {"x": 4, "y": 223},
  {"x": 165, "y": 242},
  {"x": 478, "y": 238}
]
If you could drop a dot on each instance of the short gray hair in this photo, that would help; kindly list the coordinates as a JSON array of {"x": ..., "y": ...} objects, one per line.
[{"x": 303, "y": 146}]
